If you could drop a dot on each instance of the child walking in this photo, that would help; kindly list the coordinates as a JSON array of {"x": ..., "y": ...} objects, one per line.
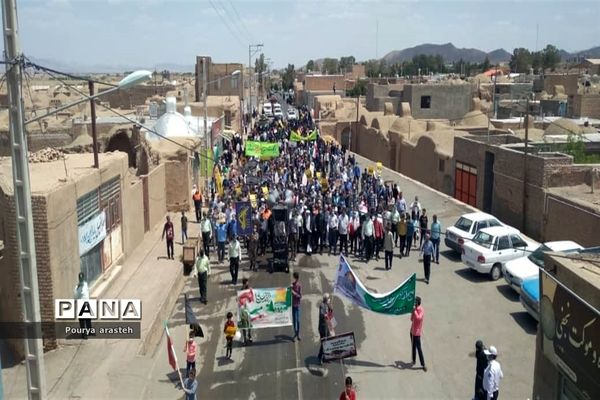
[
  {"x": 190, "y": 350},
  {"x": 229, "y": 331}
]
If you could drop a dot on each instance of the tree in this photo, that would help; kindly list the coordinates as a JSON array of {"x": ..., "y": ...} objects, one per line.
[
  {"x": 550, "y": 57},
  {"x": 310, "y": 65},
  {"x": 485, "y": 65},
  {"x": 521, "y": 60},
  {"x": 359, "y": 89},
  {"x": 330, "y": 66},
  {"x": 346, "y": 63},
  {"x": 288, "y": 76}
]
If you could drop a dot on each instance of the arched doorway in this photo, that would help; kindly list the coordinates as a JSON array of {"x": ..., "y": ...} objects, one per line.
[{"x": 120, "y": 142}]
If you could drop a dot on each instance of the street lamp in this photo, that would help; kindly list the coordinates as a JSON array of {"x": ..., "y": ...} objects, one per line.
[{"x": 130, "y": 80}]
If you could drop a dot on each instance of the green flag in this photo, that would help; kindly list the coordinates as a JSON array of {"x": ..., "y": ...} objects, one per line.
[{"x": 399, "y": 301}]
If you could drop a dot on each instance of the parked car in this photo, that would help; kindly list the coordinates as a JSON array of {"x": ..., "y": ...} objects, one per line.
[
  {"x": 518, "y": 270},
  {"x": 466, "y": 227},
  {"x": 492, "y": 247},
  {"x": 530, "y": 296}
]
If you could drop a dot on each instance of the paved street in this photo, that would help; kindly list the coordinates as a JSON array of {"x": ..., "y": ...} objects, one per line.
[{"x": 460, "y": 307}]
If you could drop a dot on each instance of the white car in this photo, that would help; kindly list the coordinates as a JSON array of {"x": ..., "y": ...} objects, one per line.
[
  {"x": 268, "y": 109},
  {"x": 492, "y": 247},
  {"x": 291, "y": 114},
  {"x": 466, "y": 227},
  {"x": 518, "y": 270}
]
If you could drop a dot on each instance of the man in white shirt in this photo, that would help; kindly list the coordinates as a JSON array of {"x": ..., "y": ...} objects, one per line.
[
  {"x": 492, "y": 375},
  {"x": 82, "y": 292},
  {"x": 333, "y": 232},
  {"x": 343, "y": 231},
  {"x": 234, "y": 258},
  {"x": 367, "y": 236}
]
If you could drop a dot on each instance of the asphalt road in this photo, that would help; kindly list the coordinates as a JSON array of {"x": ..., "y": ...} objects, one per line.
[{"x": 461, "y": 306}]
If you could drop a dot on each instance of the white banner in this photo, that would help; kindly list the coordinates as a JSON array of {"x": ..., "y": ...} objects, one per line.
[{"x": 91, "y": 233}]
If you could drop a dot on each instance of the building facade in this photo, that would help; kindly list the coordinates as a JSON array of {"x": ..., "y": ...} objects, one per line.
[
  {"x": 219, "y": 77},
  {"x": 568, "y": 338}
]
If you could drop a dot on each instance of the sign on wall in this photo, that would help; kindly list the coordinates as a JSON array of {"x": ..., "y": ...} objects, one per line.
[{"x": 91, "y": 233}]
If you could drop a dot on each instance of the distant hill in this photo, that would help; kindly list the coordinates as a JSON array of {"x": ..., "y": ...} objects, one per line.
[
  {"x": 449, "y": 52},
  {"x": 593, "y": 52}
]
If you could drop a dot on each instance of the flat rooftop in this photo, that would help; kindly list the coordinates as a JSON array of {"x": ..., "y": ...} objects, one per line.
[
  {"x": 581, "y": 194},
  {"x": 48, "y": 176}
]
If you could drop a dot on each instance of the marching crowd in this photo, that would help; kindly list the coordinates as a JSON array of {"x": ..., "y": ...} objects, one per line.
[{"x": 333, "y": 204}]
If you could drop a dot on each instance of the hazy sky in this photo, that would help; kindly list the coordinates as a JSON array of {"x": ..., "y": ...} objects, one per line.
[{"x": 147, "y": 32}]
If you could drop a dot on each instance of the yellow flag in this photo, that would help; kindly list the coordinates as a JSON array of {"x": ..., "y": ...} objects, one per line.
[
  {"x": 318, "y": 175},
  {"x": 379, "y": 165},
  {"x": 265, "y": 191},
  {"x": 253, "y": 200}
]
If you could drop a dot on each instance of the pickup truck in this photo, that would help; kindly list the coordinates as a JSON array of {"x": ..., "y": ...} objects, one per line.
[{"x": 492, "y": 247}]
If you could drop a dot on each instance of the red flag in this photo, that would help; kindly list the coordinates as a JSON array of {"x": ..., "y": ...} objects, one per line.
[
  {"x": 171, "y": 351},
  {"x": 172, "y": 360}
]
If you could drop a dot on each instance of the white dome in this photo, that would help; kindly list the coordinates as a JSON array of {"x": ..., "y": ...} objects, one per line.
[{"x": 172, "y": 123}]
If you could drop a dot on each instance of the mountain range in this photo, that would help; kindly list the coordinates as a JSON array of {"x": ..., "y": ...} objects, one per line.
[
  {"x": 82, "y": 68},
  {"x": 451, "y": 53}
]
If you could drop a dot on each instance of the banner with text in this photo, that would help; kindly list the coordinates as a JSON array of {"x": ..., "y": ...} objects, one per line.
[
  {"x": 263, "y": 150},
  {"x": 399, "y": 301},
  {"x": 91, "y": 233},
  {"x": 267, "y": 307},
  {"x": 296, "y": 137},
  {"x": 339, "y": 347}
]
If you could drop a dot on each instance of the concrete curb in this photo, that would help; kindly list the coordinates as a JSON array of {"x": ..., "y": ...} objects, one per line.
[{"x": 153, "y": 336}]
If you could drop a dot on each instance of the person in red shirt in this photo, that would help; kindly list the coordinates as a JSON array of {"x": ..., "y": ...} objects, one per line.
[
  {"x": 416, "y": 330},
  {"x": 348, "y": 393}
]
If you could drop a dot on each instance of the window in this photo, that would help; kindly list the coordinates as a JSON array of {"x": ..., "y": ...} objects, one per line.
[
  {"x": 425, "y": 101},
  {"x": 503, "y": 243},
  {"x": 484, "y": 239},
  {"x": 441, "y": 165},
  {"x": 464, "y": 224},
  {"x": 234, "y": 82},
  {"x": 517, "y": 241},
  {"x": 493, "y": 222}
]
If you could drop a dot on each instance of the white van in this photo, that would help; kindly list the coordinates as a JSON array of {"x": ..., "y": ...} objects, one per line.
[{"x": 268, "y": 109}]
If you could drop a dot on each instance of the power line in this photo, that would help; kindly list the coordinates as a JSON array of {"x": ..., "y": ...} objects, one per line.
[
  {"x": 226, "y": 23},
  {"x": 243, "y": 25}
]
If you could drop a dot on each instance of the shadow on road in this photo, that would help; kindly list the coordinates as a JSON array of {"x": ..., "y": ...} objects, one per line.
[
  {"x": 359, "y": 363},
  {"x": 222, "y": 360},
  {"x": 450, "y": 255},
  {"x": 526, "y": 321},
  {"x": 313, "y": 366},
  {"x": 471, "y": 275},
  {"x": 507, "y": 292},
  {"x": 405, "y": 365}
]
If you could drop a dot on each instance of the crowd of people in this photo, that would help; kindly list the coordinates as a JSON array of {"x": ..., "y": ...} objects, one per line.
[{"x": 332, "y": 204}]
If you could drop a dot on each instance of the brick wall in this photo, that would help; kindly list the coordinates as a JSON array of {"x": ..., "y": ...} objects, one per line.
[
  {"x": 569, "y": 82},
  {"x": 587, "y": 105},
  {"x": 324, "y": 83},
  {"x": 568, "y": 219},
  {"x": 157, "y": 201},
  {"x": 135, "y": 96},
  {"x": 10, "y": 284}
]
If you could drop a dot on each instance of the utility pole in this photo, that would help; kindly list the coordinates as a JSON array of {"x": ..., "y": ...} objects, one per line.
[
  {"x": 256, "y": 48},
  {"x": 30, "y": 302},
  {"x": 93, "y": 116},
  {"x": 207, "y": 135},
  {"x": 525, "y": 159}
]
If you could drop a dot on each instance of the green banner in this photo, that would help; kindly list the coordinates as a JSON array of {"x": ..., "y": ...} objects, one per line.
[
  {"x": 263, "y": 150},
  {"x": 252, "y": 149},
  {"x": 399, "y": 301},
  {"x": 296, "y": 137}
]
